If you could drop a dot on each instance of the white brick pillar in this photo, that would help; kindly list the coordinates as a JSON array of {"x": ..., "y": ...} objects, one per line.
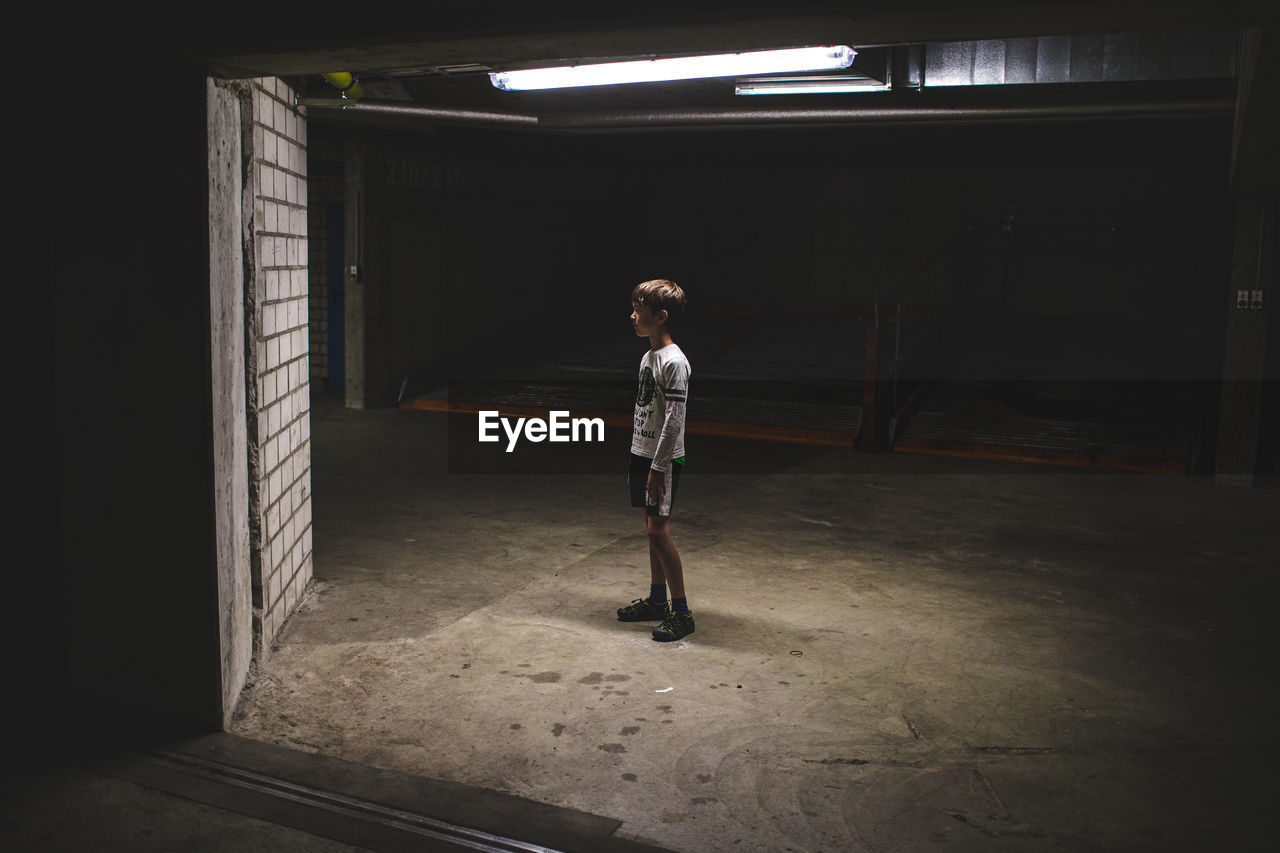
[{"x": 280, "y": 471}]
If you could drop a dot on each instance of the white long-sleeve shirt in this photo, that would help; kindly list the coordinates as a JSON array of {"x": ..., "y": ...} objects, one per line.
[{"x": 660, "y": 405}]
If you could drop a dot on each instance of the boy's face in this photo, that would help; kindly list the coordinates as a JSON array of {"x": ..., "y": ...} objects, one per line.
[{"x": 645, "y": 320}]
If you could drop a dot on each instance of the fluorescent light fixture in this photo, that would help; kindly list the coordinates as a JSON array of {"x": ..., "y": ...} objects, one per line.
[
  {"x": 791, "y": 60},
  {"x": 815, "y": 85}
]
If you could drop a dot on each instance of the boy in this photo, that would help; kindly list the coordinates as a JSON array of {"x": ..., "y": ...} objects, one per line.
[{"x": 657, "y": 454}]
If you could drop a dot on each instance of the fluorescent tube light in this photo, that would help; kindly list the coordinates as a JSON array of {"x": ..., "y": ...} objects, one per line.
[
  {"x": 817, "y": 85},
  {"x": 791, "y": 60}
]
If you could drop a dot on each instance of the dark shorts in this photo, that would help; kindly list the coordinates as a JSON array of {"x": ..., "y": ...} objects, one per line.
[{"x": 640, "y": 466}]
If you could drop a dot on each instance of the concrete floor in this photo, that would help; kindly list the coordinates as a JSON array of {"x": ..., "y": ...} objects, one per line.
[{"x": 892, "y": 652}]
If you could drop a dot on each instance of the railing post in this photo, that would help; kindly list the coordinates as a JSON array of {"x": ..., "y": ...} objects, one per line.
[
  {"x": 897, "y": 356},
  {"x": 869, "y": 435}
]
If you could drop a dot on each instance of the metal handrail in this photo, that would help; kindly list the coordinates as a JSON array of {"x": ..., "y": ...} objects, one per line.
[
  {"x": 937, "y": 253},
  {"x": 944, "y": 281}
]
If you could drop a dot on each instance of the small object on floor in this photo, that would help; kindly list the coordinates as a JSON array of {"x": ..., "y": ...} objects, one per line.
[
  {"x": 675, "y": 626},
  {"x": 643, "y": 610}
]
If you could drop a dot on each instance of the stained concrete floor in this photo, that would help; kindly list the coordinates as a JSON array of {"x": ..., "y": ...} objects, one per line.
[{"x": 892, "y": 652}]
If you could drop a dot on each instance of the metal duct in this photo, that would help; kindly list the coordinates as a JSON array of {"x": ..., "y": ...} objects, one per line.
[
  {"x": 1083, "y": 58},
  {"x": 676, "y": 119}
]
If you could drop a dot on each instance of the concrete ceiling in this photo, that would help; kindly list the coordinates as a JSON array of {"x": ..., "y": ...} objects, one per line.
[
  {"x": 377, "y": 36},
  {"x": 400, "y": 49}
]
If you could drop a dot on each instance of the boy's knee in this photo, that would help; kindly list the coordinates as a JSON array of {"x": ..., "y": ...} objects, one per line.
[{"x": 658, "y": 529}]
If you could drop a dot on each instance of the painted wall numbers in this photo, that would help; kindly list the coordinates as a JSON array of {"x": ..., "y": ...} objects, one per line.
[{"x": 411, "y": 174}]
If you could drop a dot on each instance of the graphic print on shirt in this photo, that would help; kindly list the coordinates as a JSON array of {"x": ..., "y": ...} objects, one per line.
[{"x": 644, "y": 394}]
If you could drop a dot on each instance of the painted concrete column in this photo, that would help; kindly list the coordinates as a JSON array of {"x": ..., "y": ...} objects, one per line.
[
  {"x": 1244, "y": 358},
  {"x": 353, "y": 253}
]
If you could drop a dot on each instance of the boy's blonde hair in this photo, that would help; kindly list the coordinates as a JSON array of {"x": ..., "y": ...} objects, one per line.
[{"x": 658, "y": 294}]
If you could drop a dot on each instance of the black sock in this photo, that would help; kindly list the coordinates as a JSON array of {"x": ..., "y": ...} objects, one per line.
[
  {"x": 657, "y": 592},
  {"x": 680, "y": 605}
]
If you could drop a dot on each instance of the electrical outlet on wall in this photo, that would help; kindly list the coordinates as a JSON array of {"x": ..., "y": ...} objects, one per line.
[
  {"x": 1242, "y": 299},
  {"x": 1255, "y": 300}
]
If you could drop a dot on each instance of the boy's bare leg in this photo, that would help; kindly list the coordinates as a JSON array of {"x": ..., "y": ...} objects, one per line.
[
  {"x": 663, "y": 556},
  {"x": 656, "y": 575}
]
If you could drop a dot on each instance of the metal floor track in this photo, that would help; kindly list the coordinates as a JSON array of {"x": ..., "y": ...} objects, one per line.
[{"x": 363, "y": 806}]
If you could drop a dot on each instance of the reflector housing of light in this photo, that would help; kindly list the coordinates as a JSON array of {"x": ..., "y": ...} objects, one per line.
[{"x": 814, "y": 85}]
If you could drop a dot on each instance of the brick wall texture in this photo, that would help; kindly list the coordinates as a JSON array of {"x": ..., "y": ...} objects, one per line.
[{"x": 282, "y": 564}]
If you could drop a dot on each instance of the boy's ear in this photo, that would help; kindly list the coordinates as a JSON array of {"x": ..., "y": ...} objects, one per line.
[{"x": 661, "y": 316}]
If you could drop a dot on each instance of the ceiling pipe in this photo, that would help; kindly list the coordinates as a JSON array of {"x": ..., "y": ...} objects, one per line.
[
  {"x": 440, "y": 115},
  {"x": 729, "y": 117},
  {"x": 677, "y": 119}
]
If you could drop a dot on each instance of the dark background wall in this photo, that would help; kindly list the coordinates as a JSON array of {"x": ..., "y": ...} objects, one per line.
[
  {"x": 480, "y": 239},
  {"x": 116, "y": 602},
  {"x": 1108, "y": 221},
  {"x": 465, "y": 250}
]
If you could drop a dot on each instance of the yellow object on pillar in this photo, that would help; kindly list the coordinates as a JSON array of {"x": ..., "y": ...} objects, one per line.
[{"x": 346, "y": 83}]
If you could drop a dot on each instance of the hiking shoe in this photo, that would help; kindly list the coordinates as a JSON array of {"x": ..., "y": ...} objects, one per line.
[
  {"x": 643, "y": 610},
  {"x": 675, "y": 626}
]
